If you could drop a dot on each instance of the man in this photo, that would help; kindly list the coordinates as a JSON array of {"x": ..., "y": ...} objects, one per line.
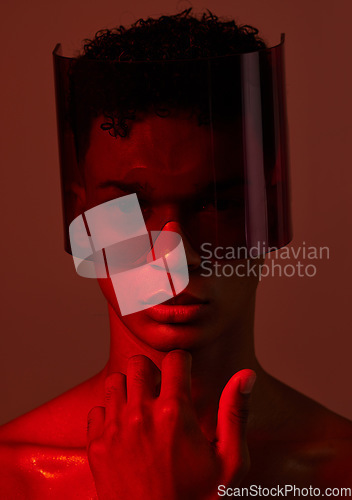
[{"x": 167, "y": 416}]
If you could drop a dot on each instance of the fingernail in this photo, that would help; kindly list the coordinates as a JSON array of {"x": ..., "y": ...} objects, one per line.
[{"x": 246, "y": 384}]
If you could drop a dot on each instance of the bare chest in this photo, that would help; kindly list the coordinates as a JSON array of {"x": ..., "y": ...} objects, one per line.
[{"x": 60, "y": 475}]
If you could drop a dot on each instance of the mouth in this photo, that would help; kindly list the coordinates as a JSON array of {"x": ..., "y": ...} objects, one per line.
[{"x": 184, "y": 308}]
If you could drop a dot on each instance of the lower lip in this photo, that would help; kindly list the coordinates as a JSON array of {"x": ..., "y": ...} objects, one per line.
[{"x": 176, "y": 314}]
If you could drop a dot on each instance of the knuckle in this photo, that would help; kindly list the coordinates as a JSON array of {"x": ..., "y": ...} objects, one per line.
[
  {"x": 109, "y": 392},
  {"x": 112, "y": 384},
  {"x": 182, "y": 402},
  {"x": 172, "y": 409},
  {"x": 138, "y": 376},
  {"x": 136, "y": 418},
  {"x": 239, "y": 415},
  {"x": 137, "y": 368},
  {"x": 113, "y": 379}
]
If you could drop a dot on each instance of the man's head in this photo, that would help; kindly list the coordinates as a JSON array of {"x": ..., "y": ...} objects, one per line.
[{"x": 170, "y": 110}]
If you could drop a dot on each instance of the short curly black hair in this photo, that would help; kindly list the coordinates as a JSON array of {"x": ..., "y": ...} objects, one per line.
[{"x": 120, "y": 90}]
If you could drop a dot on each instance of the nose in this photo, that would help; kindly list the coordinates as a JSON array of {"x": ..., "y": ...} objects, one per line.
[{"x": 192, "y": 256}]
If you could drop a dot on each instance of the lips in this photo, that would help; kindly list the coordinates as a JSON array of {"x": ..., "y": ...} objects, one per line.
[{"x": 183, "y": 308}]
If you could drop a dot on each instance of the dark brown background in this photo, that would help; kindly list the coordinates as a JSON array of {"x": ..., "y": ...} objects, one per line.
[{"x": 54, "y": 329}]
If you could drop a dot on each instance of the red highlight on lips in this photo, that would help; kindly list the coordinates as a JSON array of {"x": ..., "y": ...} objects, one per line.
[{"x": 183, "y": 308}]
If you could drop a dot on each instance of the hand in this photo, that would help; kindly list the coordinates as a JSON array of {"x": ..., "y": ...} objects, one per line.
[{"x": 151, "y": 447}]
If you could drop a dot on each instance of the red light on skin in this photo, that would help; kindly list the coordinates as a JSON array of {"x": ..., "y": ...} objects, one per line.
[
  {"x": 176, "y": 314},
  {"x": 183, "y": 308}
]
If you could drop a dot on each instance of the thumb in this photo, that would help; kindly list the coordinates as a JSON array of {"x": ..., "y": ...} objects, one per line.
[{"x": 233, "y": 416}]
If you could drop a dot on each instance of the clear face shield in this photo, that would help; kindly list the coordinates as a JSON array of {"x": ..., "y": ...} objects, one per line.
[{"x": 157, "y": 156}]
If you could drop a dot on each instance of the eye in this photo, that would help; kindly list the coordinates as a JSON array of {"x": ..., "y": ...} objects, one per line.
[{"x": 204, "y": 205}]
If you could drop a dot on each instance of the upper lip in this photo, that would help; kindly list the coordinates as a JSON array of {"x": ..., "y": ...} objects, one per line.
[{"x": 179, "y": 300}]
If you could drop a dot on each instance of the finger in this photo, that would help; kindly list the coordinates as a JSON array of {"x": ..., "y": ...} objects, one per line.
[
  {"x": 115, "y": 396},
  {"x": 233, "y": 416},
  {"x": 176, "y": 375},
  {"x": 95, "y": 427},
  {"x": 143, "y": 377}
]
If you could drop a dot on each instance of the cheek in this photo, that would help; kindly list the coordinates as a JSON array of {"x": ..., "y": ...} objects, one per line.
[
  {"x": 133, "y": 322},
  {"x": 232, "y": 286},
  {"x": 109, "y": 293}
]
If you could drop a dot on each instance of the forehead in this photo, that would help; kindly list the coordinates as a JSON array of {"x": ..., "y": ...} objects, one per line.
[{"x": 170, "y": 153}]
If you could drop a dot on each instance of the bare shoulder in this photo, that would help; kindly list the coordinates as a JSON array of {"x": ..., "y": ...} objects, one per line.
[
  {"x": 59, "y": 422},
  {"x": 321, "y": 444},
  {"x": 300, "y": 418},
  {"x": 301, "y": 442},
  {"x": 44, "y": 450}
]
